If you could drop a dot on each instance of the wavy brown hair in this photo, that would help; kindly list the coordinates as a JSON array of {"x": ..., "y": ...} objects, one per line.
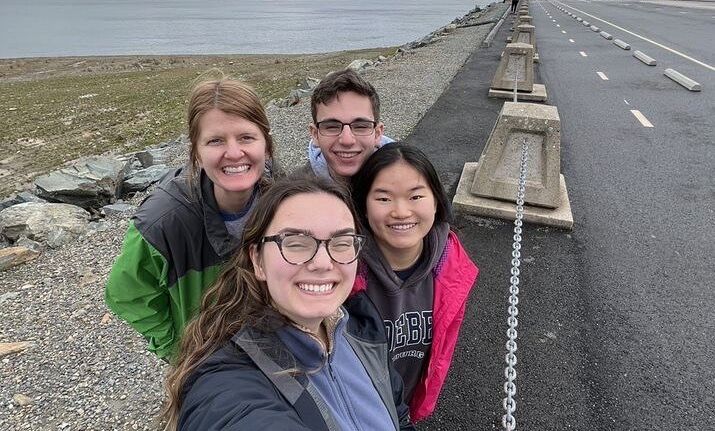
[
  {"x": 237, "y": 298},
  {"x": 231, "y": 97}
]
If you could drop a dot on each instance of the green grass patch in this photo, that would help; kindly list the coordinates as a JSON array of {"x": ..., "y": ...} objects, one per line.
[{"x": 57, "y": 110}]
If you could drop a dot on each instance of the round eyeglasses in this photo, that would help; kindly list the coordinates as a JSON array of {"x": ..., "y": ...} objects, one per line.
[
  {"x": 335, "y": 127},
  {"x": 299, "y": 248}
]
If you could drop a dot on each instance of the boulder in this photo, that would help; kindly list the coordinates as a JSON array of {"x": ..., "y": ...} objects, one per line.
[
  {"x": 13, "y": 256},
  {"x": 89, "y": 183},
  {"x": 296, "y": 96},
  {"x": 308, "y": 83},
  {"x": 141, "y": 180},
  {"x": 50, "y": 223},
  {"x": 154, "y": 156},
  {"x": 29, "y": 197},
  {"x": 360, "y": 64},
  {"x": 8, "y": 202},
  {"x": 29, "y": 244}
]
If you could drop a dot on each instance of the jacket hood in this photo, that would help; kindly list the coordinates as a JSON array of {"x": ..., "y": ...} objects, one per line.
[
  {"x": 320, "y": 165},
  {"x": 434, "y": 243}
]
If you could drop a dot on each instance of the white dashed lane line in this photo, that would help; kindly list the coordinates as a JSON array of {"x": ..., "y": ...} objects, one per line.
[
  {"x": 583, "y": 54},
  {"x": 602, "y": 75},
  {"x": 660, "y": 45},
  {"x": 640, "y": 117}
]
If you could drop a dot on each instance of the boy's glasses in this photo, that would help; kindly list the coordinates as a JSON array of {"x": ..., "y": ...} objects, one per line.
[{"x": 335, "y": 127}]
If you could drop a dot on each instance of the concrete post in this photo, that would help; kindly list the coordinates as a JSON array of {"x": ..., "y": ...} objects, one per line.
[
  {"x": 497, "y": 175},
  {"x": 517, "y": 58}
]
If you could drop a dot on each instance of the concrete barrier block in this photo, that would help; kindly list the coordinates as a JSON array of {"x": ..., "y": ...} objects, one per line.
[
  {"x": 682, "y": 80},
  {"x": 607, "y": 36},
  {"x": 644, "y": 58},
  {"x": 518, "y": 60},
  {"x": 524, "y": 33},
  {"x": 621, "y": 44},
  {"x": 525, "y": 19},
  {"x": 537, "y": 94},
  {"x": 596, "y": 29},
  {"x": 498, "y": 173},
  {"x": 465, "y": 202}
]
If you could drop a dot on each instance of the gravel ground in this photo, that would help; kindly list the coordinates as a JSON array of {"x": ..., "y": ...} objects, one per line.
[{"x": 87, "y": 370}]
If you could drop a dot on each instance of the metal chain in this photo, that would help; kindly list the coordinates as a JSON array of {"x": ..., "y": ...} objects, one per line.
[{"x": 508, "y": 420}]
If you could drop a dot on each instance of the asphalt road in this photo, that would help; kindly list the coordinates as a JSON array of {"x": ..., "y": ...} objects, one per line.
[{"x": 617, "y": 317}]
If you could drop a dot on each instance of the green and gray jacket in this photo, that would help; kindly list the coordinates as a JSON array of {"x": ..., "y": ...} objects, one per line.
[{"x": 173, "y": 251}]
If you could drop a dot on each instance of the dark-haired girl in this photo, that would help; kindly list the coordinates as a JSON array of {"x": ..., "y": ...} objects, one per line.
[
  {"x": 414, "y": 269},
  {"x": 273, "y": 348}
]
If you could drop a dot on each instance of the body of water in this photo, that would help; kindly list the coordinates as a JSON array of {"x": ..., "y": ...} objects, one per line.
[{"x": 39, "y": 28}]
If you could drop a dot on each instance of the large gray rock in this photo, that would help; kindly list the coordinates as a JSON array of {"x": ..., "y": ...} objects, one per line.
[
  {"x": 142, "y": 179},
  {"x": 296, "y": 96},
  {"x": 154, "y": 156},
  {"x": 29, "y": 197},
  {"x": 308, "y": 83},
  {"x": 360, "y": 64},
  {"x": 89, "y": 183},
  {"x": 50, "y": 223}
]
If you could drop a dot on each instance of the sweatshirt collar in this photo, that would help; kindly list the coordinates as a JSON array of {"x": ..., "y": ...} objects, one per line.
[
  {"x": 306, "y": 347},
  {"x": 222, "y": 242},
  {"x": 435, "y": 241}
]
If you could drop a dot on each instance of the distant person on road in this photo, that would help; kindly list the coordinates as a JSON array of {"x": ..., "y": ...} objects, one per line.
[
  {"x": 514, "y": 4},
  {"x": 191, "y": 224},
  {"x": 414, "y": 268},
  {"x": 273, "y": 347},
  {"x": 346, "y": 127}
]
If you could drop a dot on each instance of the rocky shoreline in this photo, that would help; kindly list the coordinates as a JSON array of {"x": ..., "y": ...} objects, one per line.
[{"x": 81, "y": 368}]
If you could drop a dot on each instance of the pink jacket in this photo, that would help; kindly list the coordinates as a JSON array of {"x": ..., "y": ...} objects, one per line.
[{"x": 454, "y": 277}]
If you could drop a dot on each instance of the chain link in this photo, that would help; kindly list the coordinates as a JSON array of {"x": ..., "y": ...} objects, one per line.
[{"x": 508, "y": 420}]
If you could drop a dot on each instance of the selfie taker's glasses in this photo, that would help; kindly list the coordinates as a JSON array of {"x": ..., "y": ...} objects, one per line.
[
  {"x": 299, "y": 248},
  {"x": 335, "y": 127}
]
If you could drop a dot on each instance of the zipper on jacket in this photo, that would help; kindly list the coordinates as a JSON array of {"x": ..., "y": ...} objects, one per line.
[{"x": 341, "y": 392}]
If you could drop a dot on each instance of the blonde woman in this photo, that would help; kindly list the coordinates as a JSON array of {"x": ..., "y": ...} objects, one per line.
[{"x": 182, "y": 234}]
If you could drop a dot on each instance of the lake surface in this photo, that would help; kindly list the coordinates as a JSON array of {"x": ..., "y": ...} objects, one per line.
[{"x": 37, "y": 28}]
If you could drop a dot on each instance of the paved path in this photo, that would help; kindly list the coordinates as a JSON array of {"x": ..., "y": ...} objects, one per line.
[
  {"x": 616, "y": 321},
  {"x": 702, "y": 4}
]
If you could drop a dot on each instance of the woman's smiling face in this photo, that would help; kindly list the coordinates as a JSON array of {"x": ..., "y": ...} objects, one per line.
[
  {"x": 401, "y": 211},
  {"x": 232, "y": 152},
  {"x": 309, "y": 292}
]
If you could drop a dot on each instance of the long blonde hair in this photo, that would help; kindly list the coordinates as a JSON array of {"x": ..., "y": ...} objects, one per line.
[{"x": 237, "y": 298}]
